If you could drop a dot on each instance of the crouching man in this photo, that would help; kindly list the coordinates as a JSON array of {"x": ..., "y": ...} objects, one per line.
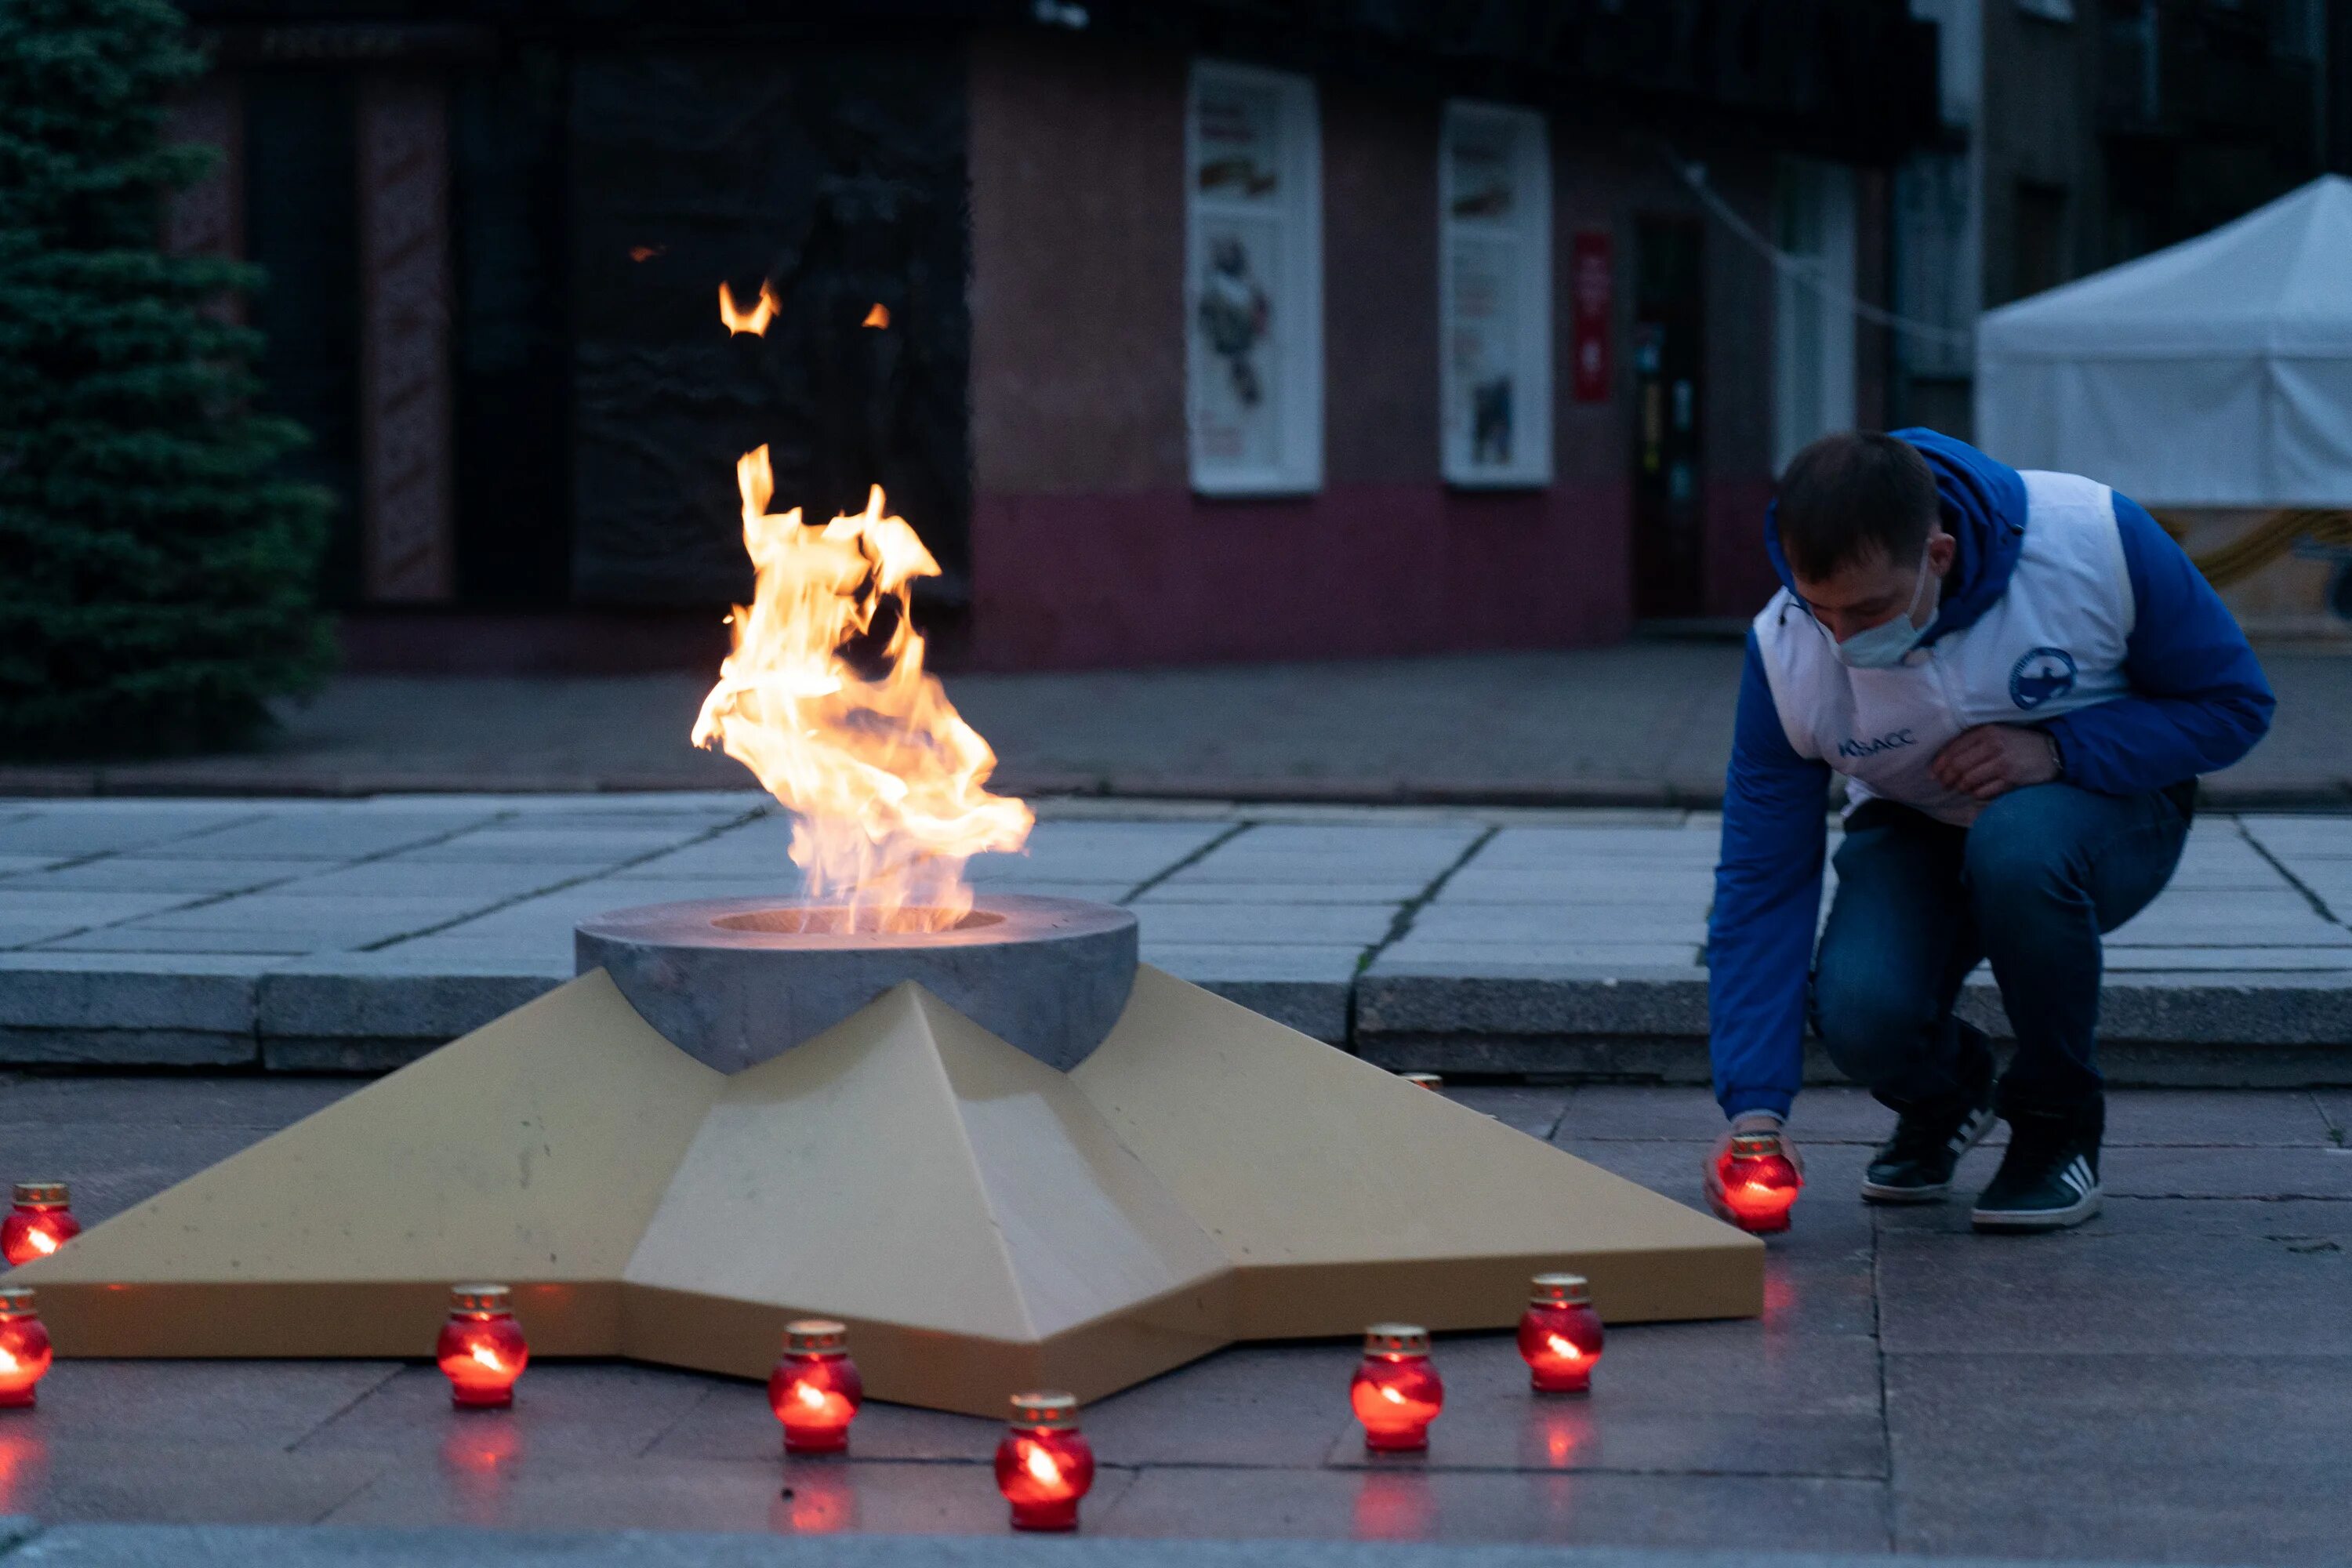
[{"x": 2020, "y": 676}]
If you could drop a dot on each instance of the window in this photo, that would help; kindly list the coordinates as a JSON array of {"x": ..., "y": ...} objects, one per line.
[
  {"x": 1254, "y": 283},
  {"x": 2038, "y": 237},
  {"x": 1495, "y": 287},
  {"x": 1813, "y": 315}
]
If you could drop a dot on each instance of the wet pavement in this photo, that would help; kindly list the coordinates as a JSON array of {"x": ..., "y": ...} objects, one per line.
[{"x": 2171, "y": 1383}]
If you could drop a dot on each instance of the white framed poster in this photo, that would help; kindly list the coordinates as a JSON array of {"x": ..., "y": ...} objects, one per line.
[
  {"x": 1254, "y": 283},
  {"x": 1495, "y": 289}
]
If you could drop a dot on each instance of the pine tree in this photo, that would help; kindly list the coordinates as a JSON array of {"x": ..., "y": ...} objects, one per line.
[{"x": 157, "y": 576}]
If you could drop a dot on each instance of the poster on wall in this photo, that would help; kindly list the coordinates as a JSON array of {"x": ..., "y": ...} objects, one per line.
[
  {"x": 1253, "y": 356},
  {"x": 1495, "y": 297},
  {"x": 1593, "y": 294}
]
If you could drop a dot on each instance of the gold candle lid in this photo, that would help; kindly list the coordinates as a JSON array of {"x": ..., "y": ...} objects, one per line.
[
  {"x": 15, "y": 1301},
  {"x": 1755, "y": 1145},
  {"x": 1047, "y": 1412},
  {"x": 41, "y": 1194},
  {"x": 815, "y": 1336},
  {"x": 489, "y": 1300},
  {"x": 1396, "y": 1339},
  {"x": 1559, "y": 1290},
  {"x": 1426, "y": 1080}
]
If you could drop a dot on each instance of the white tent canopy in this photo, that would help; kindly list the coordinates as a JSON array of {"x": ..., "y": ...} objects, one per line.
[{"x": 2214, "y": 373}]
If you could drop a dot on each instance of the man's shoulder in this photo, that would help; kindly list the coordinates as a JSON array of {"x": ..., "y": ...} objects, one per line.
[{"x": 2048, "y": 491}]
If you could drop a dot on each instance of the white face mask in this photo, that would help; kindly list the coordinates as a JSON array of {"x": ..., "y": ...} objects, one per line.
[{"x": 1883, "y": 646}]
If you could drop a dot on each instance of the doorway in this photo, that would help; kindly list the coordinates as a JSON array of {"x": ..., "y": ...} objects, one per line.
[{"x": 1669, "y": 358}]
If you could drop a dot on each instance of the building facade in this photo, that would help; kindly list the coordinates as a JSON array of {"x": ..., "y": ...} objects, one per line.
[
  {"x": 2080, "y": 133},
  {"x": 1180, "y": 332}
]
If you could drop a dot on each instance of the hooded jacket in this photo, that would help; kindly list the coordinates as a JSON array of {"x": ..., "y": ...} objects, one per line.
[{"x": 2136, "y": 670}]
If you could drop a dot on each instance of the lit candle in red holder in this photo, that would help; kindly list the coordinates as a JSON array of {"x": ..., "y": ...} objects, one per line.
[
  {"x": 1044, "y": 1464},
  {"x": 1560, "y": 1335},
  {"x": 39, "y": 1224},
  {"x": 24, "y": 1347},
  {"x": 481, "y": 1350},
  {"x": 1426, "y": 1080},
  {"x": 1760, "y": 1184},
  {"x": 816, "y": 1390},
  {"x": 1396, "y": 1393}
]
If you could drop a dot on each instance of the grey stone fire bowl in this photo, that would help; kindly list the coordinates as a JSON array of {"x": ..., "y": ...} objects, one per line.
[{"x": 732, "y": 981}]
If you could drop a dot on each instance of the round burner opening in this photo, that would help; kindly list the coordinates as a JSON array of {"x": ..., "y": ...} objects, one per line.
[{"x": 818, "y": 920}]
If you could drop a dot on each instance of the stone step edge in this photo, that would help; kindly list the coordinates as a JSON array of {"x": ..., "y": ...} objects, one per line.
[{"x": 2191, "y": 1030}]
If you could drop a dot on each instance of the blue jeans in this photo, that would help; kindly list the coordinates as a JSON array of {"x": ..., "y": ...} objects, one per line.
[{"x": 2032, "y": 885}]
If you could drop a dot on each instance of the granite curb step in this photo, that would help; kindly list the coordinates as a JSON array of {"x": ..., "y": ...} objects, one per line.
[
  {"x": 365, "y": 1014},
  {"x": 24, "y": 1544},
  {"x": 2321, "y": 791}
]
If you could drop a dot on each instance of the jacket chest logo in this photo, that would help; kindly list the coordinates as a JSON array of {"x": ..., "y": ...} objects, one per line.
[
  {"x": 2039, "y": 675},
  {"x": 1893, "y": 741}
]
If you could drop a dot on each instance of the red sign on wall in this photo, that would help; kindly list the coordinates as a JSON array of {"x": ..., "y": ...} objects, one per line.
[{"x": 1592, "y": 290}]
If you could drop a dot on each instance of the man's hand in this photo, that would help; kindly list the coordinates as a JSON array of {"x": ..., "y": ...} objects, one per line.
[{"x": 1993, "y": 759}]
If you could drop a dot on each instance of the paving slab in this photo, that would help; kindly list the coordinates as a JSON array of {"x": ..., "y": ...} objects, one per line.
[
  {"x": 731, "y": 1421},
  {"x": 1677, "y": 1399},
  {"x": 64, "y": 832},
  {"x": 141, "y": 874},
  {"x": 2297, "y": 1225},
  {"x": 330, "y": 833},
  {"x": 2125, "y": 1292},
  {"x": 655, "y": 1493},
  {"x": 66, "y": 1481},
  {"x": 1777, "y": 1514},
  {"x": 1534, "y": 1110},
  {"x": 263, "y": 1104},
  {"x": 2224, "y": 1451},
  {"x": 579, "y": 1411},
  {"x": 1182, "y": 889},
  {"x": 1355, "y": 926}
]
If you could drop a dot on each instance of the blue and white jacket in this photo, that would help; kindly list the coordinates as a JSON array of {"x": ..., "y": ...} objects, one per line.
[{"x": 2067, "y": 607}]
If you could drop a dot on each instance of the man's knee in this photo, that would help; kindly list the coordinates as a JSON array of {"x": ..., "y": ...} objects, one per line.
[
  {"x": 2021, "y": 852},
  {"x": 1872, "y": 1029}
]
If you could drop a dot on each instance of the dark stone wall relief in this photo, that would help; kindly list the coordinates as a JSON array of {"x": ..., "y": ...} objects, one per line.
[{"x": 839, "y": 175}]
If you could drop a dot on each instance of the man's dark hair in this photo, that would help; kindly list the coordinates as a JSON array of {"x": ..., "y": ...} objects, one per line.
[{"x": 1850, "y": 496}]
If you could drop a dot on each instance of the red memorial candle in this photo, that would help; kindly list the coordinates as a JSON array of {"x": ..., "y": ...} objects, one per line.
[
  {"x": 481, "y": 1349},
  {"x": 39, "y": 1222},
  {"x": 816, "y": 1390},
  {"x": 1759, "y": 1183},
  {"x": 24, "y": 1347},
  {"x": 1560, "y": 1336},
  {"x": 1396, "y": 1393},
  {"x": 1044, "y": 1465}
]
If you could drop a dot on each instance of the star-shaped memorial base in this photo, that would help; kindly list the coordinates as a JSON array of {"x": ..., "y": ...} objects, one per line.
[{"x": 983, "y": 1223}]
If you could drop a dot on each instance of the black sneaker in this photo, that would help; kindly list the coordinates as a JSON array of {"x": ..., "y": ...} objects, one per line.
[
  {"x": 1914, "y": 1165},
  {"x": 2050, "y": 1177}
]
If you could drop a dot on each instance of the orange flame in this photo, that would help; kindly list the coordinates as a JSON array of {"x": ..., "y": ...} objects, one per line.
[
  {"x": 825, "y": 700},
  {"x": 1041, "y": 1464},
  {"x": 1563, "y": 1347},
  {"x": 877, "y": 316},
  {"x": 755, "y": 320},
  {"x": 42, "y": 1241},
  {"x": 487, "y": 1357}
]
